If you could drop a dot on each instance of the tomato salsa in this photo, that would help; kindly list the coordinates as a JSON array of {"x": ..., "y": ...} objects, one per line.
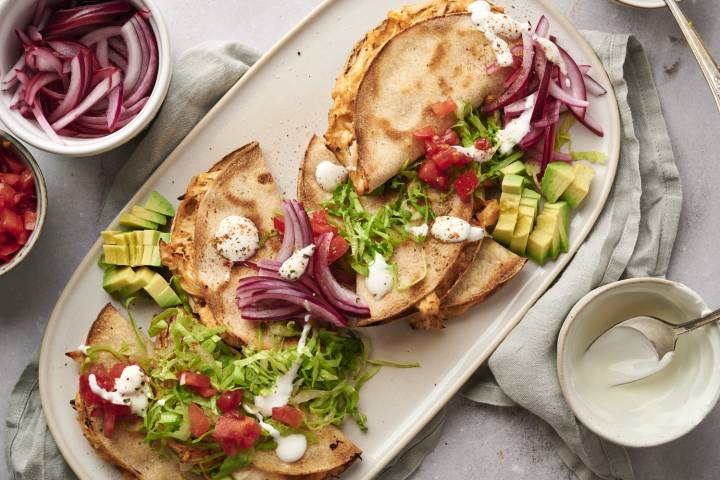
[{"x": 18, "y": 203}]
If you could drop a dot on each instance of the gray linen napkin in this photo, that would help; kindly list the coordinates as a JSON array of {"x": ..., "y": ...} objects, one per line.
[
  {"x": 201, "y": 77},
  {"x": 633, "y": 237},
  {"x": 646, "y": 151}
]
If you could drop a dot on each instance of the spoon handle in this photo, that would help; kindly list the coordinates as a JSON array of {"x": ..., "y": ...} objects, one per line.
[
  {"x": 697, "y": 323},
  {"x": 707, "y": 64}
]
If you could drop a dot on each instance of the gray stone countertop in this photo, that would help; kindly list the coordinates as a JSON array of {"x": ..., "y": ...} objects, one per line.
[{"x": 478, "y": 441}]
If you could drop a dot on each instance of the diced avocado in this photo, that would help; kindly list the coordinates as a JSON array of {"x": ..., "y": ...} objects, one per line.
[
  {"x": 549, "y": 222},
  {"x": 530, "y": 193},
  {"x": 120, "y": 238},
  {"x": 156, "y": 260},
  {"x": 518, "y": 244},
  {"x": 580, "y": 186},
  {"x": 526, "y": 211},
  {"x": 149, "y": 215},
  {"x": 115, "y": 279},
  {"x": 513, "y": 184},
  {"x": 538, "y": 246},
  {"x": 505, "y": 227},
  {"x": 116, "y": 254},
  {"x": 558, "y": 175},
  {"x": 130, "y": 220},
  {"x": 108, "y": 236},
  {"x": 131, "y": 241},
  {"x": 564, "y": 211},
  {"x": 159, "y": 204},
  {"x": 151, "y": 237},
  {"x": 515, "y": 168},
  {"x": 161, "y": 292},
  {"x": 143, "y": 276}
]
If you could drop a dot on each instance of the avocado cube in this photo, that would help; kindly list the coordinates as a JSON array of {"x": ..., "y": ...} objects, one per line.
[
  {"x": 143, "y": 276},
  {"x": 558, "y": 176},
  {"x": 159, "y": 204},
  {"x": 518, "y": 244},
  {"x": 526, "y": 211},
  {"x": 530, "y": 193},
  {"x": 564, "y": 214},
  {"x": 161, "y": 292},
  {"x": 538, "y": 246},
  {"x": 120, "y": 238},
  {"x": 513, "y": 184},
  {"x": 131, "y": 221},
  {"x": 149, "y": 215},
  {"x": 155, "y": 285},
  {"x": 117, "y": 279},
  {"x": 515, "y": 168},
  {"x": 168, "y": 298},
  {"x": 150, "y": 237},
  {"x": 156, "y": 260},
  {"x": 108, "y": 237},
  {"x": 116, "y": 254},
  {"x": 505, "y": 227},
  {"x": 580, "y": 186},
  {"x": 549, "y": 222},
  {"x": 147, "y": 255}
]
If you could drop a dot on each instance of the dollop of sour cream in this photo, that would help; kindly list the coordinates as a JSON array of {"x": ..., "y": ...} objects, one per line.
[
  {"x": 380, "y": 278},
  {"x": 282, "y": 389},
  {"x": 290, "y": 448},
  {"x": 294, "y": 267},
  {"x": 517, "y": 128},
  {"x": 498, "y": 28},
  {"x": 475, "y": 153},
  {"x": 552, "y": 52},
  {"x": 237, "y": 238},
  {"x": 455, "y": 230},
  {"x": 418, "y": 230},
  {"x": 131, "y": 389},
  {"x": 329, "y": 175}
]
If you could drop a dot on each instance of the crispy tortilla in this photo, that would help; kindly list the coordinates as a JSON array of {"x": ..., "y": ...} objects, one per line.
[
  {"x": 240, "y": 184},
  {"x": 332, "y": 453},
  {"x": 436, "y": 58},
  {"x": 438, "y": 265}
]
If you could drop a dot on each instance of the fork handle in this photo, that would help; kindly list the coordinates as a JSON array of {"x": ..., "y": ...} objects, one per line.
[
  {"x": 697, "y": 323},
  {"x": 708, "y": 65}
]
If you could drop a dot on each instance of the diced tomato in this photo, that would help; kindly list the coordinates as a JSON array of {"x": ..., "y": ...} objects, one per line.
[
  {"x": 319, "y": 223},
  {"x": 22, "y": 237},
  {"x": 27, "y": 181},
  {"x": 430, "y": 174},
  {"x": 338, "y": 247},
  {"x": 466, "y": 184},
  {"x": 7, "y": 248},
  {"x": 450, "y": 137},
  {"x": 288, "y": 415},
  {"x": 425, "y": 133},
  {"x": 199, "y": 422},
  {"x": 482, "y": 144},
  {"x": 13, "y": 165},
  {"x": 197, "y": 383},
  {"x": 442, "y": 109},
  {"x": 108, "y": 422},
  {"x": 12, "y": 179},
  {"x": 108, "y": 411},
  {"x": 10, "y": 222},
  {"x": 230, "y": 400},
  {"x": 29, "y": 219},
  {"x": 234, "y": 431},
  {"x": 279, "y": 224},
  {"x": 444, "y": 159},
  {"x": 7, "y": 195}
]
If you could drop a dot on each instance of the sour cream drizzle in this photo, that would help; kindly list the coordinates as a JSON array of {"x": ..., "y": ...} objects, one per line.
[
  {"x": 418, "y": 230},
  {"x": 552, "y": 53},
  {"x": 282, "y": 389},
  {"x": 294, "y": 267},
  {"x": 380, "y": 278},
  {"x": 476, "y": 154},
  {"x": 494, "y": 26},
  {"x": 131, "y": 389},
  {"x": 237, "y": 238},
  {"x": 517, "y": 128},
  {"x": 329, "y": 175},
  {"x": 455, "y": 230},
  {"x": 290, "y": 448}
]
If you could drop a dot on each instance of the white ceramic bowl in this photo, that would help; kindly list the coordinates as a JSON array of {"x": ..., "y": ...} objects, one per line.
[
  {"x": 14, "y": 13},
  {"x": 657, "y": 409},
  {"x": 642, "y": 3}
]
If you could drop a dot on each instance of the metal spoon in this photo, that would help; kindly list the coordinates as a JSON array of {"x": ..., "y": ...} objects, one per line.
[
  {"x": 663, "y": 335},
  {"x": 707, "y": 64}
]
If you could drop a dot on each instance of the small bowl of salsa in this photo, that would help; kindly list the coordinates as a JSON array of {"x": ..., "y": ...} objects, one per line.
[{"x": 23, "y": 202}]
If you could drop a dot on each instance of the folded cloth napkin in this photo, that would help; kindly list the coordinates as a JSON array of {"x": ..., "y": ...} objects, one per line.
[
  {"x": 633, "y": 237},
  {"x": 201, "y": 77},
  {"x": 526, "y": 376}
]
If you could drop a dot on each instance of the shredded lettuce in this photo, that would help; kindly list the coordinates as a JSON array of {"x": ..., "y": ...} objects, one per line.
[
  {"x": 594, "y": 156},
  {"x": 380, "y": 231},
  {"x": 471, "y": 125},
  {"x": 567, "y": 120}
]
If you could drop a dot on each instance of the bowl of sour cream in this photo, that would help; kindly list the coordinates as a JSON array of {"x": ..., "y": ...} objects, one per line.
[{"x": 593, "y": 368}]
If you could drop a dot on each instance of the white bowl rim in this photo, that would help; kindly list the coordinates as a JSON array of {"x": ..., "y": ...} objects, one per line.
[
  {"x": 17, "y": 126},
  {"x": 642, "y": 3},
  {"x": 568, "y": 392}
]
